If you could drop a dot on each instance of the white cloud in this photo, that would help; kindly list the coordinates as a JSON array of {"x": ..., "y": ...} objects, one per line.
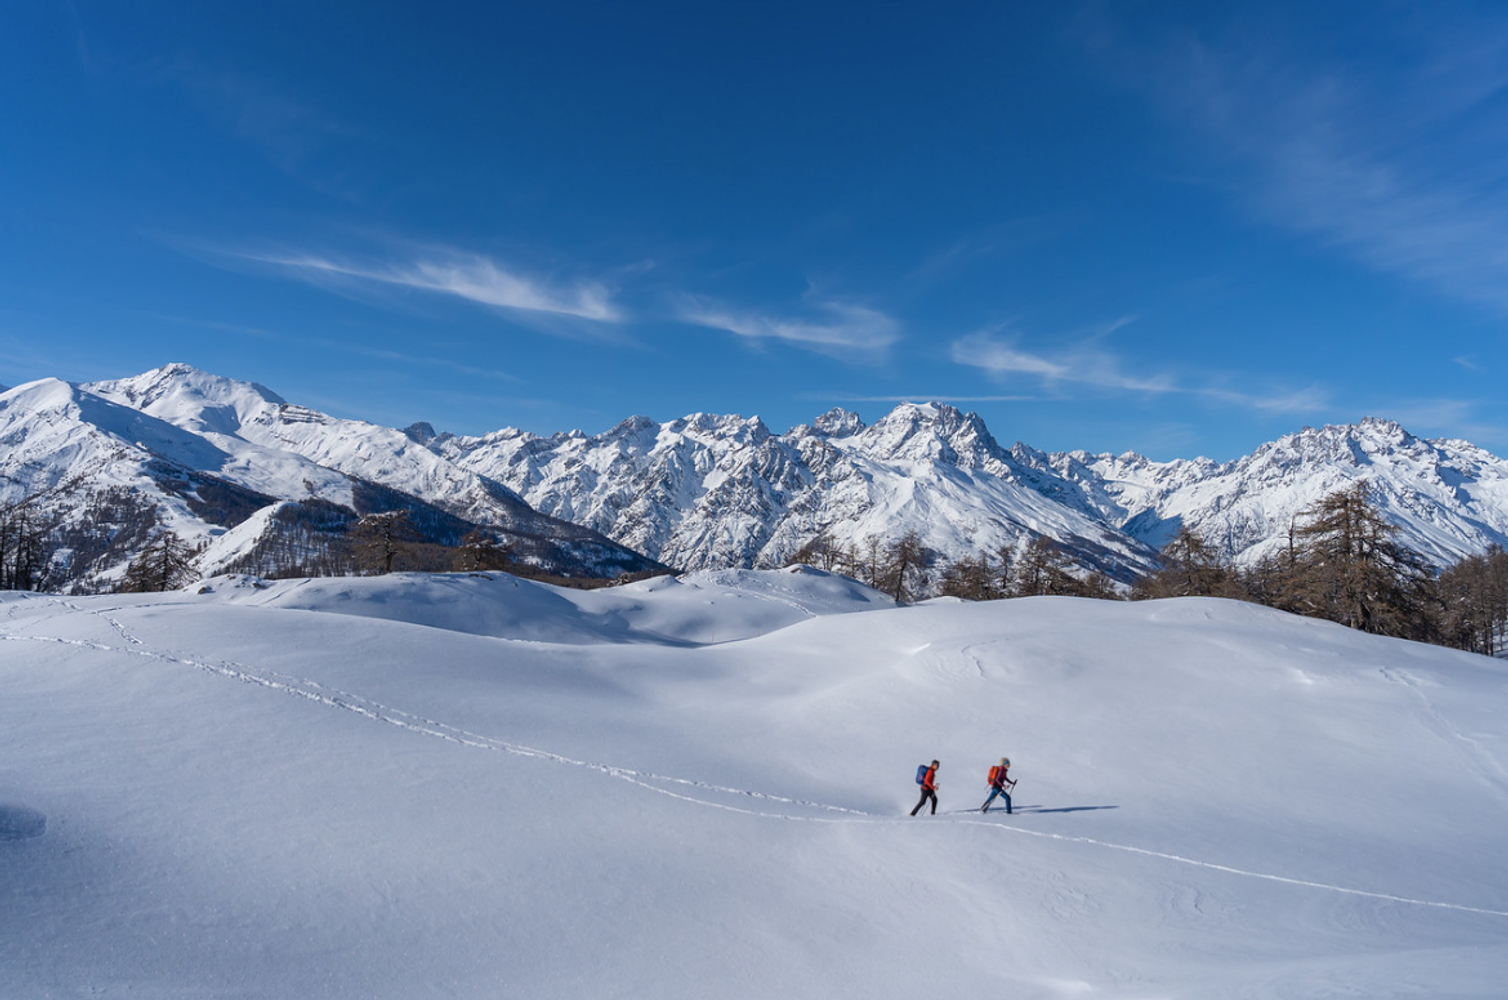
[
  {"x": 1312, "y": 399},
  {"x": 1393, "y": 156},
  {"x": 847, "y": 329},
  {"x": 472, "y": 277},
  {"x": 1088, "y": 364},
  {"x": 1084, "y": 363}
]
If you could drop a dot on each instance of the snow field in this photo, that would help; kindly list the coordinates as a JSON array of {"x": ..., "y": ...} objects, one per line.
[{"x": 330, "y": 789}]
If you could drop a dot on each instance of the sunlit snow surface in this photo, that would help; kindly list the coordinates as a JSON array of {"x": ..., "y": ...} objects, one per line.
[{"x": 473, "y": 786}]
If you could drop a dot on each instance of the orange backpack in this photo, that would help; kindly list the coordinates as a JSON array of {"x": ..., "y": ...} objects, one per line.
[{"x": 997, "y": 775}]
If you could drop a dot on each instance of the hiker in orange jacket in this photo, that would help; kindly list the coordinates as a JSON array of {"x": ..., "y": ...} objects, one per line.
[
  {"x": 1000, "y": 784},
  {"x": 929, "y": 789}
]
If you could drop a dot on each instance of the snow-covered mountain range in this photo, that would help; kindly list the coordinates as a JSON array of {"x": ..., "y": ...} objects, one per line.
[
  {"x": 1449, "y": 498},
  {"x": 210, "y": 457},
  {"x": 227, "y": 462},
  {"x": 706, "y": 491}
]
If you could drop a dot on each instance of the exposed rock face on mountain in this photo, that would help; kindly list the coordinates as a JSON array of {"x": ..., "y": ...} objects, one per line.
[
  {"x": 106, "y": 462},
  {"x": 230, "y": 463},
  {"x": 717, "y": 491},
  {"x": 1449, "y": 498},
  {"x": 707, "y": 491}
]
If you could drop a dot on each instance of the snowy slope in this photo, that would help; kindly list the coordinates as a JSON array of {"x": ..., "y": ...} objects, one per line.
[
  {"x": 698, "y": 608},
  {"x": 324, "y": 791}
]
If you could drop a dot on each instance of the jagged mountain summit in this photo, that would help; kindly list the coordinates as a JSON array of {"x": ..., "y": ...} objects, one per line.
[
  {"x": 232, "y": 463},
  {"x": 227, "y": 463},
  {"x": 715, "y": 491},
  {"x": 1448, "y": 497},
  {"x": 707, "y": 491}
]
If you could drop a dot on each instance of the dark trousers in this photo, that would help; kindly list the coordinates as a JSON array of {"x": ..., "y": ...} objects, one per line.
[
  {"x": 994, "y": 791},
  {"x": 927, "y": 793}
]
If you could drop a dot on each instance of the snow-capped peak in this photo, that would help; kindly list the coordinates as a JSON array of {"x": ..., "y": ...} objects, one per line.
[
  {"x": 839, "y": 423},
  {"x": 187, "y": 396}
]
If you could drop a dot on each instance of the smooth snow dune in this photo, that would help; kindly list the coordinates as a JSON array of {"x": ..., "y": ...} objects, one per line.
[
  {"x": 699, "y": 608},
  {"x": 270, "y": 793}
]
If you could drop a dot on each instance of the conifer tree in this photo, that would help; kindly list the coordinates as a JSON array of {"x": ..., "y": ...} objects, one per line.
[
  {"x": 165, "y": 564},
  {"x": 1190, "y": 568},
  {"x": 1042, "y": 569},
  {"x": 973, "y": 578},
  {"x": 1350, "y": 568}
]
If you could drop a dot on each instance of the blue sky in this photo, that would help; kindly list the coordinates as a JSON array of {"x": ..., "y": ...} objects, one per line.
[{"x": 1160, "y": 227}]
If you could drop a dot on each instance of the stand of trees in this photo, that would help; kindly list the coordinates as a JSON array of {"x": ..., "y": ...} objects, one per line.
[
  {"x": 907, "y": 569},
  {"x": 23, "y": 550},
  {"x": 1473, "y": 597},
  {"x": 1343, "y": 562}
]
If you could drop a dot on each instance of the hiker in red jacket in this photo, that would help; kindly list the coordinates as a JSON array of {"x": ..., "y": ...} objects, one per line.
[
  {"x": 929, "y": 789},
  {"x": 1000, "y": 784}
]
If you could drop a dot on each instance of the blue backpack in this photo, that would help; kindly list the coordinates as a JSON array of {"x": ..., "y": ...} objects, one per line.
[{"x": 921, "y": 772}]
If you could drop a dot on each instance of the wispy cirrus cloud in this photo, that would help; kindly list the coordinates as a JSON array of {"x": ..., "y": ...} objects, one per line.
[
  {"x": 1086, "y": 363},
  {"x": 472, "y": 277},
  {"x": 1392, "y": 154},
  {"x": 844, "y": 329},
  {"x": 1089, "y": 364}
]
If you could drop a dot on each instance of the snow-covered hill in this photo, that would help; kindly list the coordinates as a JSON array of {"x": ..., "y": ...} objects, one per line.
[{"x": 472, "y": 786}]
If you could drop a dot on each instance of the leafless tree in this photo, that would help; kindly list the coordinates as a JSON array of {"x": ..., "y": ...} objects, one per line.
[
  {"x": 904, "y": 567},
  {"x": 1350, "y": 568},
  {"x": 1042, "y": 569},
  {"x": 378, "y": 539},
  {"x": 1190, "y": 568},
  {"x": 480, "y": 551},
  {"x": 820, "y": 551}
]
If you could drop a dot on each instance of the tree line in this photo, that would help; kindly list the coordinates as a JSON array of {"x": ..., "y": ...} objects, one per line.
[
  {"x": 374, "y": 545},
  {"x": 907, "y": 569},
  {"x": 1341, "y": 561}
]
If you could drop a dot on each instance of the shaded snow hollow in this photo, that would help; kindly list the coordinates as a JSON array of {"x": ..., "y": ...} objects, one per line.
[{"x": 473, "y": 786}]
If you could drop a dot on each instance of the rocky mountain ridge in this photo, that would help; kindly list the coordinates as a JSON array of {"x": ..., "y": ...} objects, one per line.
[
  {"x": 101, "y": 465},
  {"x": 707, "y": 491},
  {"x": 202, "y": 453}
]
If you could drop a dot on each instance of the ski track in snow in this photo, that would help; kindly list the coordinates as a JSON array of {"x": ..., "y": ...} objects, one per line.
[
  {"x": 1479, "y": 757},
  {"x": 343, "y": 700},
  {"x": 790, "y": 602}
]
